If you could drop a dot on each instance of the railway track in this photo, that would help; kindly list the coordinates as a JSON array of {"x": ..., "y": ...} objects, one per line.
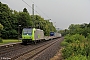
[
  {"x": 29, "y": 55},
  {"x": 8, "y": 46},
  {"x": 27, "y": 52},
  {"x": 11, "y": 48}
]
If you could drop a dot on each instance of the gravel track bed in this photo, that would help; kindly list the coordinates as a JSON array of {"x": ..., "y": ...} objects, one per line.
[
  {"x": 9, "y": 45},
  {"x": 21, "y": 51},
  {"x": 4, "y": 48},
  {"x": 49, "y": 52},
  {"x": 11, "y": 48},
  {"x": 36, "y": 51}
]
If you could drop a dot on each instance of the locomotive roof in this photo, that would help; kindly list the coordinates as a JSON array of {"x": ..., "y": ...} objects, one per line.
[{"x": 32, "y": 28}]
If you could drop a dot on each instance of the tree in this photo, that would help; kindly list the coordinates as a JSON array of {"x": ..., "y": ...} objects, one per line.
[
  {"x": 1, "y": 28},
  {"x": 5, "y": 14},
  {"x": 24, "y": 19},
  {"x": 25, "y": 10},
  {"x": 11, "y": 20}
]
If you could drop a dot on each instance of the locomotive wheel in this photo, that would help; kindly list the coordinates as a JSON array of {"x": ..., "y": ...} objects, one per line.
[{"x": 35, "y": 42}]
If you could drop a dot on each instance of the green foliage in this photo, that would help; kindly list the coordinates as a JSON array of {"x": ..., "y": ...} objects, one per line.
[
  {"x": 82, "y": 29},
  {"x": 1, "y": 40},
  {"x": 68, "y": 38},
  {"x": 88, "y": 37},
  {"x": 11, "y": 20},
  {"x": 24, "y": 19},
  {"x": 74, "y": 38},
  {"x": 7, "y": 41},
  {"x": 77, "y": 42},
  {"x": 78, "y": 37},
  {"x": 64, "y": 32},
  {"x": 76, "y": 47},
  {"x": 78, "y": 57},
  {"x": 1, "y": 27},
  {"x": 64, "y": 43},
  {"x": 13, "y": 34},
  {"x": 25, "y": 10}
]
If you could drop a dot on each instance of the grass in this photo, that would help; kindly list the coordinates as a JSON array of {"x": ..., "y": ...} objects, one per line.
[{"x": 6, "y": 41}]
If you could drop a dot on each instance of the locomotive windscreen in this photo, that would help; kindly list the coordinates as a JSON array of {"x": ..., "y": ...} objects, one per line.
[{"x": 27, "y": 31}]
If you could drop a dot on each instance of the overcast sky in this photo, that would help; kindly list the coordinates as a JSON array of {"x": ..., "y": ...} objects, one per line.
[{"x": 61, "y": 12}]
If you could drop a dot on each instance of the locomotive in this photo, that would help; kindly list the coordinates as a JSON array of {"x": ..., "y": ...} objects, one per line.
[{"x": 34, "y": 35}]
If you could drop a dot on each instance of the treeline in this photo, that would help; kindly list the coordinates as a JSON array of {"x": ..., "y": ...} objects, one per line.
[
  {"x": 76, "y": 44},
  {"x": 13, "y": 22},
  {"x": 82, "y": 29}
]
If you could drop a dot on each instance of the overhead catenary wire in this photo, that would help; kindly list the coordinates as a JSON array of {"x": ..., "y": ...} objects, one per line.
[
  {"x": 30, "y": 6},
  {"x": 40, "y": 9},
  {"x": 35, "y": 10}
]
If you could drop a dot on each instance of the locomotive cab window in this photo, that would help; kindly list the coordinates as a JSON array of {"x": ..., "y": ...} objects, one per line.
[{"x": 27, "y": 31}]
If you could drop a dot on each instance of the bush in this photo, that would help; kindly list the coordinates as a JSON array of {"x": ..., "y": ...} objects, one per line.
[
  {"x": 78, "y": 37},
  {"x": 67, "y": 52},
  {"x": 74, "y": 38},
  {"x": 88, "y": 37},
  {"x": 68, "y": 38},
  {"x": 64, "y": 43},
  {"x": 75, "y": 49},
  {"x": 75, "y": 45},
  {"x": 78, "y": 57}
]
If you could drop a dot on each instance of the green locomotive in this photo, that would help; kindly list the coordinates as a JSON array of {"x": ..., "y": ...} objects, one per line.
[{"x": 32, "y": 35}]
